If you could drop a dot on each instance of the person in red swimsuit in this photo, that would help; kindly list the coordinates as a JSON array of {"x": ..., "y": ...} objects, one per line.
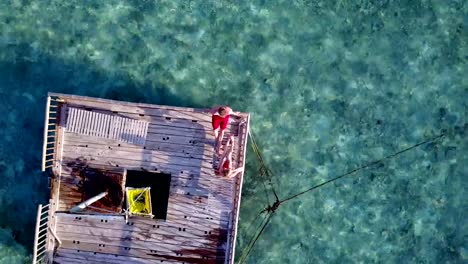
[
  {"x": 219, "y": 121},
  {"x": 224, "y": 166}
]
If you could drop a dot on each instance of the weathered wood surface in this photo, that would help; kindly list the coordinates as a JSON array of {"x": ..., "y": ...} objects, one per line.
[
  {"x": 106, "y": 125},
  {"x": 110, "y": 234},
  {"x": 179, "y": 141},
  {"x": 73, "y": 256}
]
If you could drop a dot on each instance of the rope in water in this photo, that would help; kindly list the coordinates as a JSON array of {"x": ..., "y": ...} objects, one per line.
[
  {"x": 271, "y": 209},
  {"x": 264, "y": 170}
]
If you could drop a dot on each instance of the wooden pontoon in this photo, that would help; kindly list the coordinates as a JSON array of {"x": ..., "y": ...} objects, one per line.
[{"x": 93, "y": 145}]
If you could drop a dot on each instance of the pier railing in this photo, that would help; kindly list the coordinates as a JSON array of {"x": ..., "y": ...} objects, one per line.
[
  {"x": 45, "y": 238},
  {"x": 51, "y": 124}
]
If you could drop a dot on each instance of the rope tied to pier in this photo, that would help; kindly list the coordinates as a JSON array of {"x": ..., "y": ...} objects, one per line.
[
  {"x": 270, "y": 209},
  {"x": 264, "y": 170}
]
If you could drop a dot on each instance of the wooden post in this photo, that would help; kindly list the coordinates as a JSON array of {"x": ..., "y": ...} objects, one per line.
[
  {"x": 46, "y": 125},
  {"x": 36, "y": 237}
]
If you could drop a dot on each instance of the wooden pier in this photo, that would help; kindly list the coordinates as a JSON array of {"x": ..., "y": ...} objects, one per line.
[{"x": 93, "y": 145}]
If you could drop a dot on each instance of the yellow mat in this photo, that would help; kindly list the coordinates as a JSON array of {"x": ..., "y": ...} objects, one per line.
[{"x": 139, "y": 201}]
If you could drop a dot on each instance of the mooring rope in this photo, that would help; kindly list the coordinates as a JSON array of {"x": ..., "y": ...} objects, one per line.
[
  {"x": 271, "y": 209},
  {"x": 264, "y": 170},
  {"x": 370, "y": 164},
  {"x": 253, "y": 240}
]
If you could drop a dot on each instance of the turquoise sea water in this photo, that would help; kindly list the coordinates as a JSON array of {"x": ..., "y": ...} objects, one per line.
[{"x": 331, "y": 85}]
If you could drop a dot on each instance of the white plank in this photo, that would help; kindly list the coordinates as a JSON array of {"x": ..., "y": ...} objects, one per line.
[
  {"x": 95, "y": 126},
  {"x": 104, "y": 125},
  {"x": 100, "y": 125},
  {"x": 69, "y": 118},
  {"x": 87, "y": 124}
]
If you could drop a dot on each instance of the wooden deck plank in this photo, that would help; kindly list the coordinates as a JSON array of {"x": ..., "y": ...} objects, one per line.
[
  {"x": 135, "y": 155},
  {"x": 65, "y": 256},
  {"x": 164, "y": 241},
  {"x": 163, "y": 238},
  {"x": 117, "y": 222},
  {"x": 178, "y": 185},
  {"x": 200, "y": 185},
  {"x": 186, "y": 144},
  {"x": 193, "y": 154},
  {"x": 118, "y": 106},
  {"x": 177, "y": 167},
  {"x": 167, "y": 242},
  {"x": 192, "y": 151},
  {"x": 100, "y": 124},
  {"x": 163, "y": 244},
  {"x": 140, "y": 235},
  {"x": 177, "y": 121},
  {"x": 144, "y": 253},
  {"x": 70, "y": 167},
  {"x": 185, "y": 140}
]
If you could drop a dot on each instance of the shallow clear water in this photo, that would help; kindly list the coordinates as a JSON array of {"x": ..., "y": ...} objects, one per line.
[{"x": 331, "y": 85}]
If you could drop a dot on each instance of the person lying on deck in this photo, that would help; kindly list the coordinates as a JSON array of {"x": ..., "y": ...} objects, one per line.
[
  {"x": 225, "y": 162},
  {"x": 219, "y": 121}
]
